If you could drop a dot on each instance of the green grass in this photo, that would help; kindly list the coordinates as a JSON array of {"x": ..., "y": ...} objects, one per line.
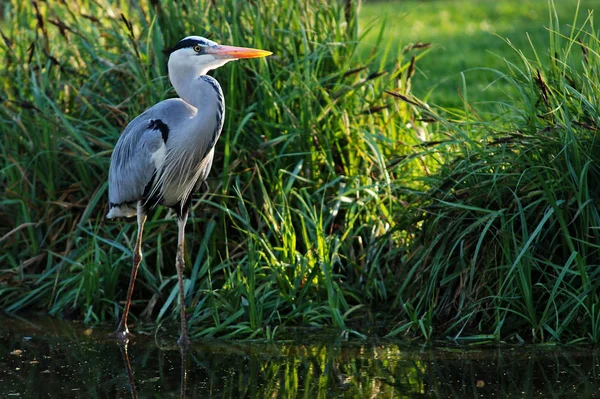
[
  {"x": 294, "y": 185},
  {"x": 468, "y": 39},
  {"x": 337, "y": 198}
]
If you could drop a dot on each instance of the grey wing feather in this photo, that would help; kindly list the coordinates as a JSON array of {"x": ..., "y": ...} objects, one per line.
[{"x": 136, "y": 154}]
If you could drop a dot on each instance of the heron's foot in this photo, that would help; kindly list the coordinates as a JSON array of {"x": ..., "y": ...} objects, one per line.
[
  {"x": 121, "y": 334},
  {"x": 183, "y": 341}
]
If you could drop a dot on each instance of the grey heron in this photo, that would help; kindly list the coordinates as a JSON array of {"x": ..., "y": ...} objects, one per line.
[{"x": 165, "y": 154}]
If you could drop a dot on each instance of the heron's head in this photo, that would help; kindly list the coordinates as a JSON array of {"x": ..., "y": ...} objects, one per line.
[{"x": 202, "y": 55}]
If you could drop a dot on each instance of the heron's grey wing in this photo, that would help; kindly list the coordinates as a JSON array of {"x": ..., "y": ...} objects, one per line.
[
  {"x": 140, "y": 151},
  {"x": 132, "y": 165}
]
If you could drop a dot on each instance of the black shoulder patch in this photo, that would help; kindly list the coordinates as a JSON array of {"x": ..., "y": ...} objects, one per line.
[{"x": 157, "y": 124}]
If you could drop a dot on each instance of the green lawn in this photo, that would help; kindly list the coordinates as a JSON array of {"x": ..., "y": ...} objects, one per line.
[{"x": 465, "y": 35}]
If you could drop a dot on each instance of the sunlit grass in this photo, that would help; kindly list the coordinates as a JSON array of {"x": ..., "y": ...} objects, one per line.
[{"x": 468, "y": 38}]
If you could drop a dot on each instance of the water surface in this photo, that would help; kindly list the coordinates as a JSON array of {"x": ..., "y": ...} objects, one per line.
[{"x": 52, "y": 358}]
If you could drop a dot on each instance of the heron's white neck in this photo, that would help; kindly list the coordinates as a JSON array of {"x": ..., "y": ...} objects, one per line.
[
  {"x": 187, "y": 85},
  {"x": 184, "y": 72}
]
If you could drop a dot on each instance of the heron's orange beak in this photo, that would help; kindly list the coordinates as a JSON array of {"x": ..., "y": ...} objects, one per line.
[{"x": 237, "y": 52}]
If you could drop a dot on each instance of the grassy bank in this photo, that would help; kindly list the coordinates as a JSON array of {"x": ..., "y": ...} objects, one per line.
[
  {"x": 336, "y": 199},
  {"x": 297, "y": 199}
]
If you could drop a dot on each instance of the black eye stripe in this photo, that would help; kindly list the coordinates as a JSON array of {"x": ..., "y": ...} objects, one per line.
[
  {"x": 185, "y": 43},
  {"x": 191, "y": 43}
]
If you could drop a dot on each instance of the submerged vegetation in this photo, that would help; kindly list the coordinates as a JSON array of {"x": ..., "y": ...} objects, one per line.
[{"x": 337, "y": 198}]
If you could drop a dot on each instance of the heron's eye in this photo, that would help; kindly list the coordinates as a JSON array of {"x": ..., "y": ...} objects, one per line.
[{"x": 197, "y": 49}]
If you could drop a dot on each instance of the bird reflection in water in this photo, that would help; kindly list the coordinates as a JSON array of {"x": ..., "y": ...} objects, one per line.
[
  {"x": 125, "y": 355},
  {"x": 123, "y": 347}
]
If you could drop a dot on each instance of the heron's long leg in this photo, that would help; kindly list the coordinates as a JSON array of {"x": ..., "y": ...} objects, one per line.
[
  {"x": 183, "y": 340},
  {"x": 122, "y": 331}
]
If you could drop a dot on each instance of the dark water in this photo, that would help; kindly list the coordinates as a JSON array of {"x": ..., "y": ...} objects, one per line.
[{"x": 49, "y": 358}]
